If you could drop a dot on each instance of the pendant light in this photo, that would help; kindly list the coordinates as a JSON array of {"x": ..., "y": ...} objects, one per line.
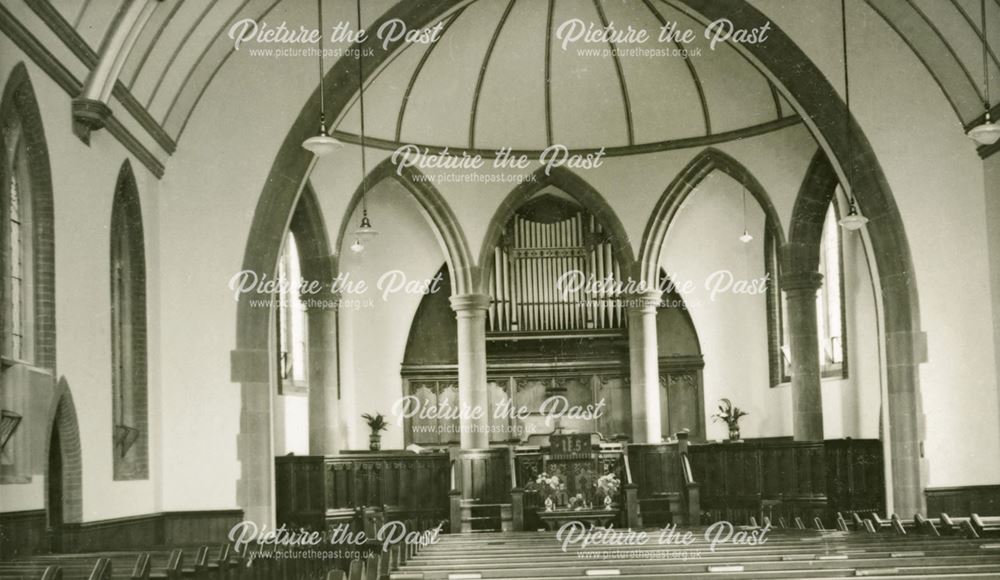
[
  {"x": 853, "y": 220},
  {"x": 987, "y": 132},
  {"x": 321, "y": 144},
  {"x": 746, "y": 238},
  {"x": 365, "y": 230}
]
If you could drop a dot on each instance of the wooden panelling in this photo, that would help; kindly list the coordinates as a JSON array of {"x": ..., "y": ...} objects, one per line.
[
  {"x": 143, "y": 531},
  {"x": 963, "y": 501},
  {"x": 788, "y": 478},
  {"x": 311, "y": 490},
  {"x": 22, "y": 534},
  {"x": 485, "y": 475}
]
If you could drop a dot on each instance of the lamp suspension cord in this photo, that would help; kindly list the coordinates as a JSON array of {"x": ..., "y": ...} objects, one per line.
[
  {"x": 744, "y": 208},
  {"x": 986, "y": 69},
  {"x": 847, "y": 103},
  {"x": 361, "y": 104},
  {"x": 322, "y": 95}
]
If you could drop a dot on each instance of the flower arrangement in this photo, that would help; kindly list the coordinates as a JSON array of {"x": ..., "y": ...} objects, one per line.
[
  {"x": 731, "y": 414},
  {"x": 547, "y": 486},
  {"x": 608, "y": 485}
]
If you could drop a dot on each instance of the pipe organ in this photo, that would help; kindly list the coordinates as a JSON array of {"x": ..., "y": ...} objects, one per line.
[{"x": 555, "y": 276}]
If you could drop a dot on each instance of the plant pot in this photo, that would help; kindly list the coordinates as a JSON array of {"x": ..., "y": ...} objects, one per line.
[
  {"x": 375, "y": 442},
  {"x": 734, "y": 432}
]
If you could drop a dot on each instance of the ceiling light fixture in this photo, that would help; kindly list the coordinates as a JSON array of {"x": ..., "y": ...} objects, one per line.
[
  {"x": 321, "y": 144},
  {"x": 365, "y": 230},
  {"x": 853, "y": 220},
  {"x": 987, "y": 132}
]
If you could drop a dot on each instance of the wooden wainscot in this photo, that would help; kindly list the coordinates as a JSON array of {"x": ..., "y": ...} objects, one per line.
[
  {"x": 362, "y": 489},
  {"x": 666, "y": 490},
  {"x": 781, "y": 478}
]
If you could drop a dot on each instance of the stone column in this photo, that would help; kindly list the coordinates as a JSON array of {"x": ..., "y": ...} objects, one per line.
[
  {"x": 324, "y": 379},
  {"x": 470, "y": 310},
  {"x": 807, "y": 398},
  {"x": 644, "y": 367}
]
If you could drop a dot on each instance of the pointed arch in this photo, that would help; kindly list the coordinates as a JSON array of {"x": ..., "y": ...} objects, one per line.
[
  {"x": 439, "y": 215},
  {"x": 570, "y": 183},
  {"x": 129, "y": 368},
  {"x": 20, "y": 115},
  {"x": 63, "y": 421},
  {"x": 805, "y": 232},
  {"x": 309, "y": 229},
  {"x": 673, "y": 197},
  {"x": 792, "y": 73}
]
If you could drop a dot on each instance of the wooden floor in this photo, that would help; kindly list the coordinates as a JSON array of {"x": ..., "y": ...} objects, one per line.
[{"x": 786, "y": 554}]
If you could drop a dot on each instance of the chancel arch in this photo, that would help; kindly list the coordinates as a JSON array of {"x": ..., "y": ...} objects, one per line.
[{"x": 807, "y": 90}]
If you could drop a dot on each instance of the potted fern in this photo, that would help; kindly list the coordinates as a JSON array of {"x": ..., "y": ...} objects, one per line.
[
  {"x": 377, "y": 424},
  {"x": 731, "y": 414}
]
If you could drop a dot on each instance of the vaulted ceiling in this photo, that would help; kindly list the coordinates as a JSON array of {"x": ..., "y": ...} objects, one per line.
[{"x": 495, "y": 77}]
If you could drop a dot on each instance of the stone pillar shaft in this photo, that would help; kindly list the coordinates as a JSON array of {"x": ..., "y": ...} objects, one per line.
[
  {"x": 470, "y": 310},
  {"x": 807, "y": 397},
  {"x": 323, "y": 382},
  {"x": 644, "y": 367}
]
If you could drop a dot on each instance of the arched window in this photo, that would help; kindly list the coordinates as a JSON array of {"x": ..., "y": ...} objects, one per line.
[
  {"x": 830, "y": 316},
  {"x": 18, "y": 304},
  {"x": 291, "y": 326},
  {"x": 27, "y": 305},
  {"x": 128, "y": 332}
]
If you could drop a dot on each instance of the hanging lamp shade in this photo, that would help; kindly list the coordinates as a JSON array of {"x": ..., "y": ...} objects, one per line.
[
  {"x": 853, "y": 221},
  {"x": 985, "y": 133},
  {"x": 322, "y": 144},
  {"x": 746, "y": 238}
]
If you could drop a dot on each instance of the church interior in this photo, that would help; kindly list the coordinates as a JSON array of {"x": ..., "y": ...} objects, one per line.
[{"x": 495, "y": 272}]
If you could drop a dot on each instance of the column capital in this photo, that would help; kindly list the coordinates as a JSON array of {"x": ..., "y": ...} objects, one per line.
[
  {"x": 646, "y": 301},
  {"x": 466, "y": 302},
  {"x": 808, "y": 281}
]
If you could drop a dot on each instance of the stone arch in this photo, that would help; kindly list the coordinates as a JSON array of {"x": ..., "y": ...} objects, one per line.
[
  {"x": 673, "y": 197},
  {"x": 805, "y": 232},
  {"x": 439, "y": 215},
  {"x": 570, "y": 183},
  {"x": 62, "y": 418},
  {"x": 824, "y": 113},
  {"x": 791, "y": 71},
  {"x": 20, "y": 105}
]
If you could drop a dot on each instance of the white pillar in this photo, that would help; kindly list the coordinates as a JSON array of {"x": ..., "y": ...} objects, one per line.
[
  {"x": 644, "y": 366},
  {"x": 470, "y": 310}
]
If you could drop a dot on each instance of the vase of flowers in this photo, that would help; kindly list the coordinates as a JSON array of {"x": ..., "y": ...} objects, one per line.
[
  {"x": 547, "y": 486},
  {"x": 377, "y": 424},
  {"x": 731, "y": 414},
  {"x": 608, "y": 486}
]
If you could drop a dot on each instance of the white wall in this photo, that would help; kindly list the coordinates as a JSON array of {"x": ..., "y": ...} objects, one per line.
[
  {"x": 373, "y": 337},
  {"x": 83, "y": 184}
]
